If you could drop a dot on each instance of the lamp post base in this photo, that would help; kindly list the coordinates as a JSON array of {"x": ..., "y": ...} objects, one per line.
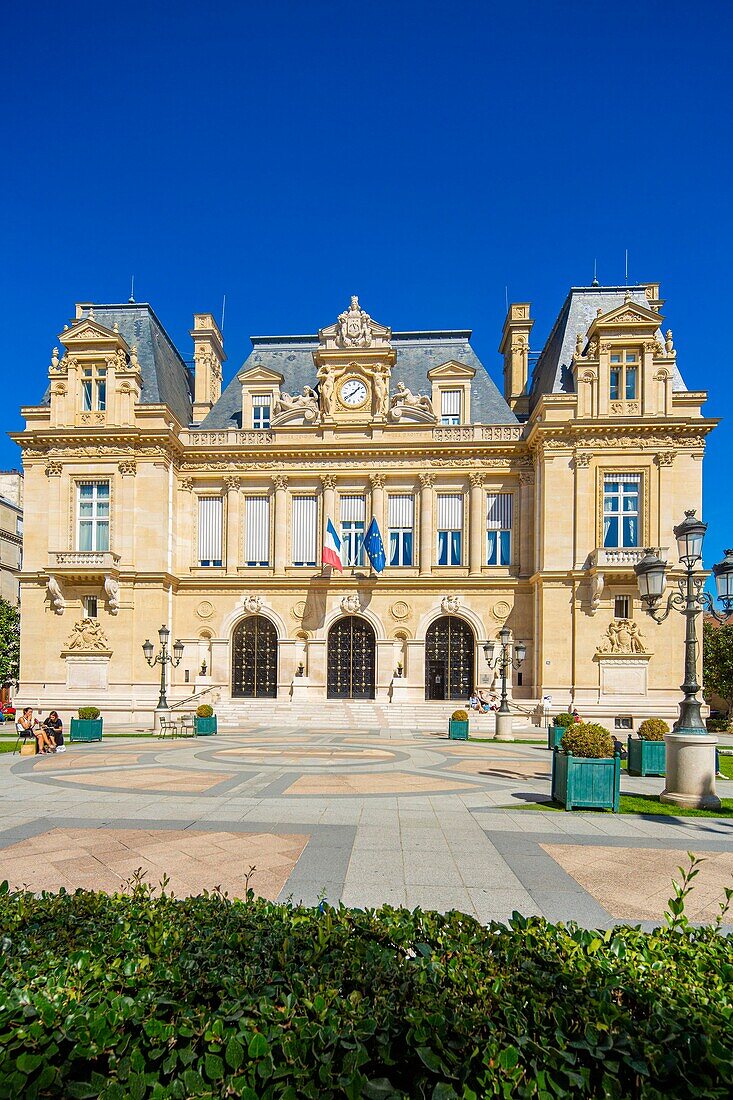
[
  {"x": 691, "y": 770},
  {"x": 504, "y": 727},
  {"x": 159, "y": 712}
]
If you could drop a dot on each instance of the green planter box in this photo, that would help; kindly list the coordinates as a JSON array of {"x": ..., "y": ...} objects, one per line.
[
  {"x": 205, "y": 726},
  {"x": 86, "y": 729},
  {"x": 646, "y": 757},
  {"x": 554, "y": 735},
  {"x": 457, "y": 731},
  {"x": 585, "y": 782}
]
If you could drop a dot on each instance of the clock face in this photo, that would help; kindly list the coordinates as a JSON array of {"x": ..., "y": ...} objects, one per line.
[{"x": 353, "y": 393}]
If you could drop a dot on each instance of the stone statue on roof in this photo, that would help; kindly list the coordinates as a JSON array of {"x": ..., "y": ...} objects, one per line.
[
  {"x": 355, "y": 326},
  {"x": 305, "y": 403}
]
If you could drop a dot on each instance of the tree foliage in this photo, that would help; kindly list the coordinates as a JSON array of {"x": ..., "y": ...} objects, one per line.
[
  {"x": 717, "y": 662},
  {"x": 9, "y": 642}
]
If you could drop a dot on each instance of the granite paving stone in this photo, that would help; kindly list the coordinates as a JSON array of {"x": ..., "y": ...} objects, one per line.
[{"x": 382, "y": 815}]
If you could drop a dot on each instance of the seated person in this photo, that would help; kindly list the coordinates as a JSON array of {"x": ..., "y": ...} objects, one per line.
[
  {"x": 473, "y": 701},
  {"x": 484, "y": 703},
  {"x": 27, "y": 724},
  {"x": 55, "y": 729}
]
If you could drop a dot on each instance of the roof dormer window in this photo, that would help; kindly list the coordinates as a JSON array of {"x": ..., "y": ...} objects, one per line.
[
  {"x": 624, "y": 384},
  {"x": 94, "y": 388}
]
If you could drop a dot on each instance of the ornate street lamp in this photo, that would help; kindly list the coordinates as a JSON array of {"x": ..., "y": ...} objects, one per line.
[
  {"x": 164, "y": 658},
  {"x": 690, "y": 772},
  {"x": 503, "y": 661}
]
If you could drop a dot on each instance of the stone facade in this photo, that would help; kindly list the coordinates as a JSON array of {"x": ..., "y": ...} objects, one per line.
[
  {"x": 155, "y": 497},
  {"x": 11, "y": 534}
]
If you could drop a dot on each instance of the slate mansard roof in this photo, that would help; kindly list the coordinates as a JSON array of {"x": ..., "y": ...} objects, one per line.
[
  {"x": 417, "y": 353},
  {"x": 166, "y": 377},
  {"x": 553, "y": 372}
]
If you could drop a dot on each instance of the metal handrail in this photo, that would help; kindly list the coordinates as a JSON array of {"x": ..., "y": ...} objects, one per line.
[{"x": 190, "y": 698}]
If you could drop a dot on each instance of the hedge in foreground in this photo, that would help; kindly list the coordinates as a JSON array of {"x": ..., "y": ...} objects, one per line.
[{"x": 146, "y": 996}]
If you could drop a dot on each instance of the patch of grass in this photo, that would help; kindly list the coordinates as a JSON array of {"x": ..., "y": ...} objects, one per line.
[
  {"x": 634, "y": 804},
  {"x": 7, "y": 746}
]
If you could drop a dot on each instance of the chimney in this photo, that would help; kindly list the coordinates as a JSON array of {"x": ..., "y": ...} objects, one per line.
[
  {"x": 208, "y": 357},
  {"x": 515, "y": 349}
]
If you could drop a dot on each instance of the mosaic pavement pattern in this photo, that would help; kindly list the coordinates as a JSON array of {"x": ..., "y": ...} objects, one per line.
[{"x": 366, "y": 818}]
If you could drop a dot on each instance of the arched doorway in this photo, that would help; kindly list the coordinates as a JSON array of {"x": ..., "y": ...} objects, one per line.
[
  {"x": 254, "y": 659},
  {"x": 351, "y": 659},
  {"x": 449, "y": 659}
]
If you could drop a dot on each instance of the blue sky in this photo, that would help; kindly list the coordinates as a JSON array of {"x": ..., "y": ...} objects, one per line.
[{"x": 422, "y": 156}]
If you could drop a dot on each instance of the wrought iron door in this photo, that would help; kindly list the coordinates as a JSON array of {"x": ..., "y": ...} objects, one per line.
[
  {"x": 449, "y": 649},
  {"x": 351, "y": 651},
  {"x": 254, "y": 659}
]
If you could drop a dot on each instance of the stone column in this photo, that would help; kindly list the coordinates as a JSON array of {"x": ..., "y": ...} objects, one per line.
[
  {"x": 427, "y": 534},
  {"x": 377, "y": 481},
  {"x": 476, "y": 525},
  {"x": 523, "y": 523},
  {"x": 280, "y": 522},
  {"x": 329, "y": 500},
  {"x": 232, "y": 524},
  {"x": 56, "y": 518},
  {"x": 125, "y": 537}
]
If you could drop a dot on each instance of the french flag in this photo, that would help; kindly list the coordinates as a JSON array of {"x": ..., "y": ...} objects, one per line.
[{"x": 332, "y": 548}]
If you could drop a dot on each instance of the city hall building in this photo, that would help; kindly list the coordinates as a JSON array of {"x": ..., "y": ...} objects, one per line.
[{"x": 155, "y": 496}]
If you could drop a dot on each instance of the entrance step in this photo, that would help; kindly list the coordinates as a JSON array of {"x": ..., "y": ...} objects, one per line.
[{"x": 356, "y": 715}]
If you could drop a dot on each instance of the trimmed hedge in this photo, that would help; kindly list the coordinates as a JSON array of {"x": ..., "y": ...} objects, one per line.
[
  {"x": 653, "y": 729},
  {"x": 89, "y": 714},
  {"x": 141, "y": 996},
  {"x": 587, "y": 739},
  {"x": 205, "y": 710},
  {"x": 564, "y": 720}
]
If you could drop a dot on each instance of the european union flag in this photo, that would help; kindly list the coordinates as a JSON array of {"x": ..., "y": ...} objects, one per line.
[{"x": 375, "y": 547}]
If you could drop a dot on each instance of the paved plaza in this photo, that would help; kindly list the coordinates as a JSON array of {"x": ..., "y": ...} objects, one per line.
[{"x": 381, "y": 816}]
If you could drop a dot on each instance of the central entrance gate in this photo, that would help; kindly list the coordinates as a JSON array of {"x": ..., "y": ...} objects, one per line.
[
  {"x": 351, "y": 659},
  {"x": 254, "y": 659},
  {"x": 449, "y": 659}
]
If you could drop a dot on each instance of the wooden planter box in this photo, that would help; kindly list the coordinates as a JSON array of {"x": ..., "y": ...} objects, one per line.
[
  {"x": 205, "y": 726},
  {"x": 586, "y": 782},
  {"x": 554, "y": 735},
  {"x": 646, "y": 757},
  {"x": 457, "y": 731},
  {"x": 86, "y": 729}
]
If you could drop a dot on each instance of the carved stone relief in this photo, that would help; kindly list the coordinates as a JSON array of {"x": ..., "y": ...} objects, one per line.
[
  {"x": 253, "y": 604},
  {"x": 622, "y": 636},
  {"x": 351, "y": 604},
  {"x": 55, "y": 595},
  {"x": 450, "y": 605},
  {"x": 112, "y": 590},
  {"x": 87, "y": 636}
]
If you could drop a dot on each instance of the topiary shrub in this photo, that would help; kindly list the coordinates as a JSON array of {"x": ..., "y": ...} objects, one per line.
[
  {"x": 89, "y": 713},
  {"x": 653, "y": 729},
  {"x": 718, "y": 725},
  {"x": 459, "y": 716},
  {"x": 564, "y": 720},
  {"x": 588, "y": 739},
  {"x": 204, "y": 711}
]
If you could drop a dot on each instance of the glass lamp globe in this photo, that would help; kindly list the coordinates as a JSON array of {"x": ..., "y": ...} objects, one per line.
[
  {"x": 723, "y": 573},
  {"x": 690, "y": 534},
  {"x": 651, "y": 577}
]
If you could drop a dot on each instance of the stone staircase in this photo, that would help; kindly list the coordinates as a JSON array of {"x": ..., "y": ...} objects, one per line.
[{"x": 352, "y": 715}]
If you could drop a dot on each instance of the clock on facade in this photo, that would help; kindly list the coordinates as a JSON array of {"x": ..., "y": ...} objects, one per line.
[{"x": 352, "y": 393}]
